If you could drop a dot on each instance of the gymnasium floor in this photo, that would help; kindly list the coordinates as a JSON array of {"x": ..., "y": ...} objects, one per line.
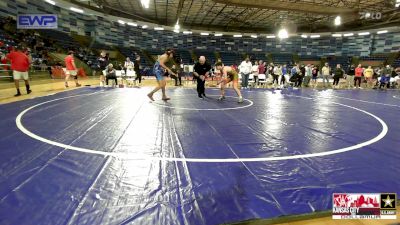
[{"x": 109, "y": 156}]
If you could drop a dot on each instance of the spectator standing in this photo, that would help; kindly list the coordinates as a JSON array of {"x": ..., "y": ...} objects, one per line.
[
  {"x": 261, "y": 69},
  {"x": 350, "y": 77},
  {"x": 338, "y": 73},
  {"x": 308, "y": 74},
  {"x": 102, "y": 63},
  {"x": 136, "y": 67},
  {"x": 368, "y": 75},
  {"x": 245, "y": 70},
  {"x": 20, "y": 65},
  {"x": 302, "y": 74},
  {"x": 71, "y": 69},
  {"x": 296, "y": 77},
  {"x": 278, "y": 73},
  {"x": 128, "y": 65},
  {"x": 254, "y": 71},
  {"x": 314, "y": 72},
  {"x": 283, "y": 78},
  {"x": 326, "y": 70},
  {"x": 358, "y": 76}
]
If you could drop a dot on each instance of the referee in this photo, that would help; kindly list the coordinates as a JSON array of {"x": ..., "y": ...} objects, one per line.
[{"x": 201, "y": 71}]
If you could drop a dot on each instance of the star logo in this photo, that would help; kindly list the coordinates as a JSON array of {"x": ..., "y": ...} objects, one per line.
[{"x": 388, "y": 202}]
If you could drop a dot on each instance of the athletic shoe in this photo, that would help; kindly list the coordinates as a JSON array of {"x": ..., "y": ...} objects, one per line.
[
  {"x": 78, "y": 85},
  {"x": 240, "y": 99},
  {"x": 66, "y": 85},
  {"x": 28, "y": 91},
  {"x": 221, "y": 98},
  {"x": 204, "y": 95},
  {"x": 166, "y": 99},
  {"x": 18, "y": 94},
  {"x": 200, "y": 96},
  {"x": 150, "y": 97}
]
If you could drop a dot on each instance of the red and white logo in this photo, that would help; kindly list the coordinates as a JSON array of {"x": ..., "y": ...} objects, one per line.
[{"x": 356, "y": 206}]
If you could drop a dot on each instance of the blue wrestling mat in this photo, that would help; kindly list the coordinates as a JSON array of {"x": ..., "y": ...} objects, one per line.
[{"x": 109, "y": 156}]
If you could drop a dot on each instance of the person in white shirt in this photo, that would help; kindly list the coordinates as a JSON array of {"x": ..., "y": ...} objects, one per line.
[
  {"x": 307, "y": 76},
  {"x": 326, "y": 70},
  {"x": 254, "y": 71},
  {"x": 128, "y": 65},
  {"x": 278, "y": 73},
  {"x": 245, "y": 70}
]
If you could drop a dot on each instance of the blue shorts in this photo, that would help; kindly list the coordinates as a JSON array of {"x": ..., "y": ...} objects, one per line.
[
  {"x": 384, "y": 79},
  {"x": 158, "y": 71}
]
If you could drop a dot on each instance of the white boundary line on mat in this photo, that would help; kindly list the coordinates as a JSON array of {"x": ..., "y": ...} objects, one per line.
[
  {"x": 131, "y": 156},
  {"x": 377, "y": 103},
  {"x": 196, "y": 109}
]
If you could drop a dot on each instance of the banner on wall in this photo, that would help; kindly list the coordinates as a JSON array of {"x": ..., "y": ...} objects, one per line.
[{"x": 37, "y": 21}]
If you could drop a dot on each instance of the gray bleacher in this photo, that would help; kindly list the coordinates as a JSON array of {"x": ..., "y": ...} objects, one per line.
[{"x": 230, "y": 58}]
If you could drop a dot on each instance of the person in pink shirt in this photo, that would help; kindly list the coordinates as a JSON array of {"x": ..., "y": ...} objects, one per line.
[
  {"x": 358, "y": 76},
  {"x": 71, "y": 69}
]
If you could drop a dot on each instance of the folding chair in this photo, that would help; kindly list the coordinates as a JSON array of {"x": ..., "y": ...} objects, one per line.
[
  {"x": 130, "y": 78},
  {"x": 120, "y": 79},
  {"x": 251, "y": 79},
  {"x": 262, "y": 79}
]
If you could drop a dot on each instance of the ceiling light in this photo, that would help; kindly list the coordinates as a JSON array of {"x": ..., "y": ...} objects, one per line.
[
  {"x": 204, "y": 34},
  {"x": 76, "y": 10},
  {"x": 338, "y": 21},
  {"x": 283, "y": 33},
  {"x": 271, "y": 36},
  {"x": 121, "y": 22},
  {"x": 132, "y": 24},
  {"x": 348, "y": 35},
  {"x": 363, "y": 33},
  {"x": 315, "y": 36},
  {"x": 304, "y": 36},
  {"x": 187, "y": 32},
  {"x": 145, "y": 26},
  {"x": 176, "y": 31},
  {"x": 177, "y": 27},
  {"x": 158, "y": 28},
  {"x": 382, "y": 32},
  {"x": 145, "y": 3},
  {"x": 253, "y": 36},
  {"x": 50, "y": 2},
  {"x": 237, "y": 35},
  {"x": 336, "y": 35},
  {"x": 217, "y": 35}
]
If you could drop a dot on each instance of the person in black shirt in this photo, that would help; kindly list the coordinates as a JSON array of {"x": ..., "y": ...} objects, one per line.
[
  {"x": 201, "y": 71},
  {"x": 301, "y": 76},
  {"x": 350, "y": 77},
  {"x": 102, "y": 63},
  {"x": 136, "y": 68}
]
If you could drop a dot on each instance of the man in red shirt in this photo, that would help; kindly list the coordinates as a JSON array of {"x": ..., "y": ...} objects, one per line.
[
  {"x": 20, "y": 66},
  {"x": 358, "y": 76},
  {"x": 71, "y": 69}
]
